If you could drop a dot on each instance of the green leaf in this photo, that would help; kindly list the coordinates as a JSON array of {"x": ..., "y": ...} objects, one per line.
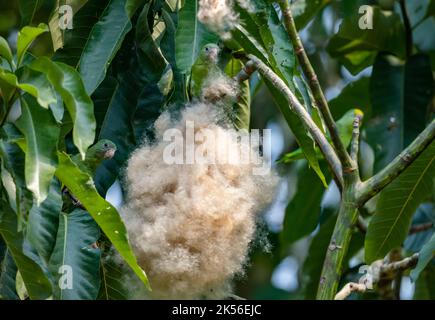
[
  {"x": 57, "y": 34},
  {"x": 302, "y": 212},
  {"x": 304, "y": 10},
  {"x": 32, "y": 82},
  {"x": 191, "y": 36},
  {"x": 355, "y": 95},
  {"x": 400, "y": 95},
  {"x": 397, "y": 203},
  {"x": 356, "y": 48},
  {"x": 37, "y": 284},
  {"x": 21, "y": 287},
  {"x": 150, "y": 53},
  {"x": 425, "y": 256},
  {"x": 131, "y": 6},
  {"x": 264, "y": 25},
  {"x": 75, "y": 249},
  {"x": 425, "y": 214},
  {"x": 82, "y": 186},
  {"x": 425, "y": 284},
  {"x": 5, "y": 50},
  {"x": 43, "y": 222},
  {"x": 41, "y": 133},
  {"x": 28, "y": 10},
  {"x": 312, "y": 267},
  {"x": 8, "y": 273},
  {"x": 136, "y": 89},
  {"x": 267, "y": 36},
  {"x": 344, "y": 127},
  {"x": 113, "y": 275},
  {"x": 105, "y": 38},
  {"x": 69, "y": 85},
  {"x": 13, "y": 162},
  {"x": 25, "y": 39},
  {"x": 241, "y": 111}
]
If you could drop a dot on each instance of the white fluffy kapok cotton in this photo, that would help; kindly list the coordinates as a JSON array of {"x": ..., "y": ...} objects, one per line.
[
  {"x": 191, "y": 225},
  {"x": 219, "y": 89},
  {"x": 219, "y": 15}
]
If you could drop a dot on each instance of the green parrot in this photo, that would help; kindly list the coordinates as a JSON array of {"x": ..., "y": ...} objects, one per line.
[
  {"x": 102, "y": 150},
  {"x": 344, "y": 127},
  {"x": 205, "y": 64}
]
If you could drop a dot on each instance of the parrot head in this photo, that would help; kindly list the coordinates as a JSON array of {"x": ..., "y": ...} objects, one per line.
[
  {"x": 104, "y": 149},
  {"x": 210, "y": 53}
]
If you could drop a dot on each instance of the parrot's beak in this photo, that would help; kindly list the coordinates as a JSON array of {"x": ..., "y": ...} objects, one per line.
[
  {"x": 109, "y": 154},
  {"x": 213, "y": 54}
]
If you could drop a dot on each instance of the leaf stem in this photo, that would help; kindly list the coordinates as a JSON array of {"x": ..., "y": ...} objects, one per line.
[
  {"x": 375, "y": 184},
  {"x": 314, "y": 85},
  {"x": 340, "y": 240}
]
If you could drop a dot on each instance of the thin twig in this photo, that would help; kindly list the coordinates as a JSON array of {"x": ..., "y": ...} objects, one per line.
[
  {"x": 402, "y": 265},
  {"x": 375, "y": 184},
  {"x": 349, "y": 288},
  {"x": 296, "y": 106},
  {"x": 354, "y": 144},
  {"x": 245, "y": 73},
  {"x": 378, "y": 272},
  {"x": 314, "y": 85},
  {"x": 420, "y": 227}
]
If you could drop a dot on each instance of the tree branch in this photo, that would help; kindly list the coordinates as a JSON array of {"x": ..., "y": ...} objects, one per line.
[
  {"x": 402, "y": 265},
  {"x": 296, "y": 106},
  {"x": 378, "y": 271},
  {"x": 245, "y": 73},
  {"x": 314, "y": 85},
  {"x": 349, "y": 288},
  {"x": 375, "y": 184},
  {"x": 354, "y": 143},
  {"x": 420, "y": 227}
]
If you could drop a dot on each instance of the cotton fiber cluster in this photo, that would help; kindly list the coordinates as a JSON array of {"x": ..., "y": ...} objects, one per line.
[
  {"x": 191, "y": 224},
  {"x": 219, "y": 15}
]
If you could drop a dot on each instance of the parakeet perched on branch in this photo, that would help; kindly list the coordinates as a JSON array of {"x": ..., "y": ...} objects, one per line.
[
  {"x": 102, "y": 150},
  {"x": 205, "y": 64}
]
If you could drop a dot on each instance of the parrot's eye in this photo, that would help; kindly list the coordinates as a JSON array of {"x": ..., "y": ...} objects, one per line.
[
  {"x": 106, "y": 145},
  {"x": 206, "y": 48}
]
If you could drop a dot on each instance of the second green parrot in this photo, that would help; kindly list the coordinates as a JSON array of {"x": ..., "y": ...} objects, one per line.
[
  {"x": 205, "y": 65},
  {"x": 102, "y": 150}
]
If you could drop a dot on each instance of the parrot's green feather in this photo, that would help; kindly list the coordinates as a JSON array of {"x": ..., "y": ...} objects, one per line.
[
  {"x": 103, "y": 149},
  {"x": 206, "y": 64}
]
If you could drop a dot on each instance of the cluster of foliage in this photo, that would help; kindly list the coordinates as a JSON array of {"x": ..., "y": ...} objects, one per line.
[{"x": 126, "y": 61}]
